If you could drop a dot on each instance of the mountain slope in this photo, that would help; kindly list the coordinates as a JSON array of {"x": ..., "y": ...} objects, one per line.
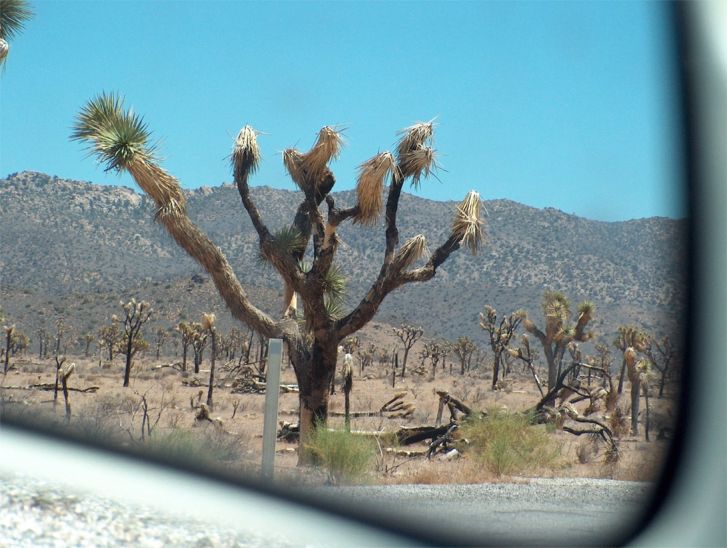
[{"x": 64, "y": 239}]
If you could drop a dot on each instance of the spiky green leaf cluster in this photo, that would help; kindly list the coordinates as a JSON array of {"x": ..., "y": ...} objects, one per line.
[
  {"x": 13, "y": 15},
  {"x": 288, "y": 240},
  {"x": 116, "y": 136},
  {"x": 334, "y": 284}
]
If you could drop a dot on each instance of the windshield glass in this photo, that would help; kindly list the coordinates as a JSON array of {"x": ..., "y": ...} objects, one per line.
[{"x": 436, "y": 249}]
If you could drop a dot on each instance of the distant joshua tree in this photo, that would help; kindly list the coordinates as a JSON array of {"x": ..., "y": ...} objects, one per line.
[
  {"x": 630, "y": 341},
  {"x": 61, "y": 329},
  {"x": 109, "y": 337},
  {"x": 208, "y": 325},
  {"x": 87, "y": 339},
  {"x": 408, "y": 335},
  {"x": 136, "y": 314},
  {"x": 186, "y": 334},
  {"x": 199, "y": 340},
  {"x": 13, "y": 15},
  {"x": 120, "y": 139},
  {"x": 501, "y": 332},
  {"x": 558, "y": 330},
  {"x": 464, "y": 348},
  {"x": 9, "y": 332},
  {"x": 161, "y": 336}
]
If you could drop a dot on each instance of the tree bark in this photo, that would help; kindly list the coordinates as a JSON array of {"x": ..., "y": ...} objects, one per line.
[
  {"x": 212, "y": 369},
  {"x": 129, "y": 357},
  {"x": 495, "y": 370},
  {"x": 314, "y": 377},
  {"x": 635, "y": 388}
]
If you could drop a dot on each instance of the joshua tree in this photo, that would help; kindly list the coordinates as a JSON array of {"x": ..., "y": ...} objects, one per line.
[
  {"x": 463, "y": 349},
  {"x": 208, "y": 324},
  {"x": 161, "y": 336},
  {"x": 41, "y": 340},
  {"x": 9, "y": 332},
  {"x": 87, "y": 339},
  {"x": 120, "y": 139},
  {"x": 500, "y": 332},
  {"x": 13, "y": 15},
  {"x": 199, "y": 340},
  {"x": 638, "y": 372},
  {"x": 347, "y": 387},
  {"x": 409, "y": 335},
  {"x": 61, "y": 329},
  {"x": 630, "y": 340},
  {"x": 186, "y": 334},
  {"x": 136, "y": 314},
  {"x": 558, "y": 331},
  {"x": 60, "y": 360},
  {"x": 19, "y": 343},
  {"x": 109, "y": 337}
]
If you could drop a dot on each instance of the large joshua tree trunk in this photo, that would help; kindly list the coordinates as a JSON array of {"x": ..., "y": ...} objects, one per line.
[{"x": 120, "y": 138}]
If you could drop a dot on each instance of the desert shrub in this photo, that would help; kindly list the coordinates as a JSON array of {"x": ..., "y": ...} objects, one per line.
[
  {"x": 346, "y": 457},
  {"x": 207, "y": 444},
  {"x": 508, "y": 443}
]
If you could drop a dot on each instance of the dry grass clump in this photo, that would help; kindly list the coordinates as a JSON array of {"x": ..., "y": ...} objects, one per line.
[
  {"x": 346, "y": 457},
  {"x": 507, "y": 443}
]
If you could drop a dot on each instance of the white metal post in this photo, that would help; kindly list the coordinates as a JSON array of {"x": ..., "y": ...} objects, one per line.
[{"x": 272, "y": 390}]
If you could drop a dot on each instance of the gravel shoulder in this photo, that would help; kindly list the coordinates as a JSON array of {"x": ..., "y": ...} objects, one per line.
[{"x": 530, "y": 511}]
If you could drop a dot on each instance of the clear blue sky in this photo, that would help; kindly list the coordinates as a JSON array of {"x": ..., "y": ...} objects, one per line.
[{"x": 568, "y": 105}]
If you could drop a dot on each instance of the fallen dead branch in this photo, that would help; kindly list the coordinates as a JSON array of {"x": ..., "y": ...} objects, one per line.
[
  {"x": 48, "y": 386},
  {"x": 392, "y": 409}
]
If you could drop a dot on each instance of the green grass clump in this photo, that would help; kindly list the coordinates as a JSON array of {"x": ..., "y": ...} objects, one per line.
[
  {"x": 346, "y": 457},
  {"x": 507, "y": 443}
]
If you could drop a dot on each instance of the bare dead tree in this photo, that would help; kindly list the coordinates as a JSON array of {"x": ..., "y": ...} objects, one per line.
[
  {"x": 500, "y": 332},
  {"x": 661, "y": 353},
  {"x": 525, "y": 354},
  {"x": 408, "y": 335},
  {"x": 120, "y": 138}
]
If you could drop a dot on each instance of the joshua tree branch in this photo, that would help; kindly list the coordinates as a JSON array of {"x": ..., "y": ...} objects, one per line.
[
  {"x": 206, "y": 253},
  {"x": 389, "y": 279}
]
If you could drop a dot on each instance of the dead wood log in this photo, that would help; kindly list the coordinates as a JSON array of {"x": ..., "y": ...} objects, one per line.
[
  {"x": 405, "y": 452},
  {"x": 49, "y": 386},
  {"x": 458, "y": 404},
  {"x": 442, "y": 442}
]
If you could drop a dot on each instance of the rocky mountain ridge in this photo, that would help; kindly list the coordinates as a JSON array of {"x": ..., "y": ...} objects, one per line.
[{"x": 65, "y": 241}]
